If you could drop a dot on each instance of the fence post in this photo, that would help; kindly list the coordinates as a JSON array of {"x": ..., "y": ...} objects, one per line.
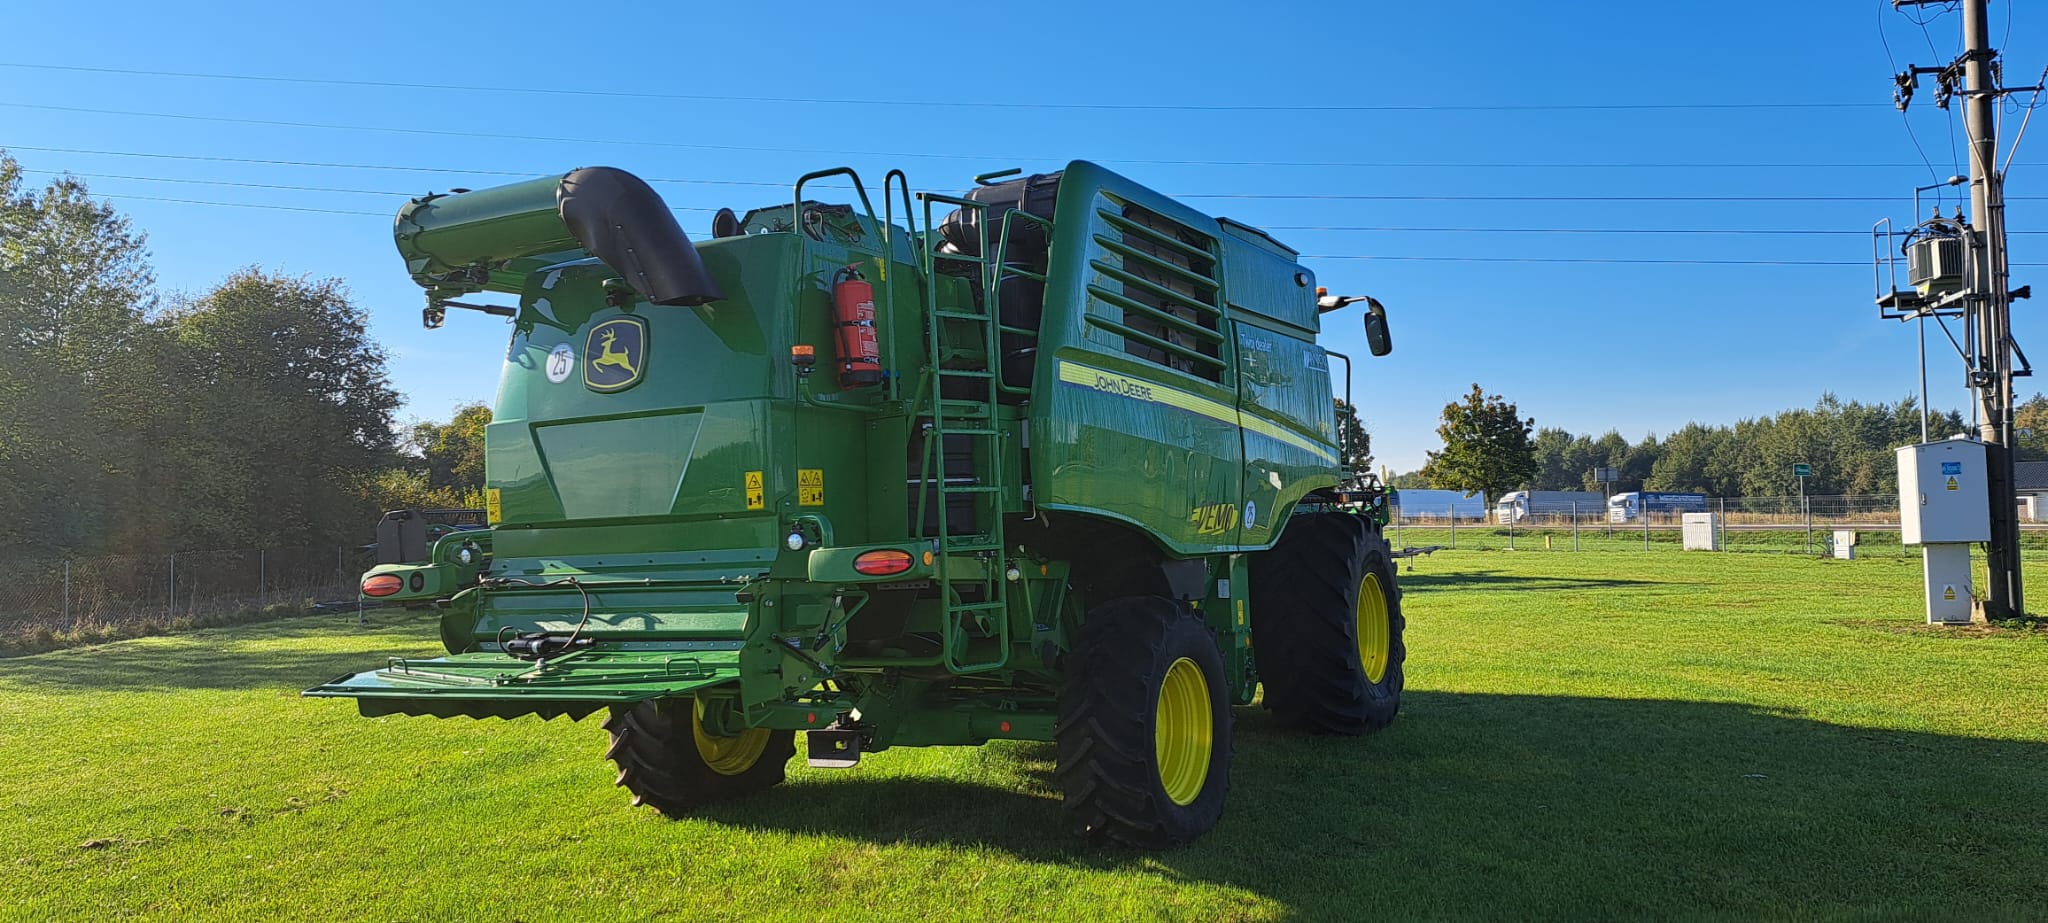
[
  {"x": 261, "y": 584},
  {"x": 1721, "y": 525},
  {"x": 67, "y": 591},
  {"x": 1646, "y": 526},
  {"x": 171, "y": 588},
  {"x": 1454, "y": 525},
  {"x": 1397, "y": 526},
  {"x": 1575, "y": 525},
  {"x": 1511, "y": 531}
]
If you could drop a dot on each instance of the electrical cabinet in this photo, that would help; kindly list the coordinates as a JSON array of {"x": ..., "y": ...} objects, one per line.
[{"x": 1943, "y": 495}]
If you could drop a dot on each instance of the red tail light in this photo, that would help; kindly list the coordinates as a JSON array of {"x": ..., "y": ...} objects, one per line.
[
  {"x": 382, "y": 585},
  {"x": 882, "y": 563}
]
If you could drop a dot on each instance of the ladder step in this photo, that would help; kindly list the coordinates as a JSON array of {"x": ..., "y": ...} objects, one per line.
[
  {"x": 967, "y": 490},
  {"x": 965, "y": 373},
  {"x": 977, "y": 607},
  {"x": 963, "y": 547},
  {"x": 960, "y": 315},
  {"x": 957, "y": 431}
]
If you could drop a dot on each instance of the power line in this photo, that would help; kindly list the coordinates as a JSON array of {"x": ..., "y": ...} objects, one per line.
[
  {"x": 1340, "y": 197},
  {"x": 1374, "y": 164},
  {"x": 1345, "y": 256},
  {"x": 1569, "y": 259},
  {"x": 446, "y": 132},
  {"x": 951, "y": 104},
  {"x": 1792, "y": 232}
]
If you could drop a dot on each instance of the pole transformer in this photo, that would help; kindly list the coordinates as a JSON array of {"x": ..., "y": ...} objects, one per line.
[{"x": 1987, "y": 305}]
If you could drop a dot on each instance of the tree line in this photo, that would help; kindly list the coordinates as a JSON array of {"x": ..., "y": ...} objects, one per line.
[
  {"x": 1849, "y": 445},
  {"x": 258, "y": 413}
]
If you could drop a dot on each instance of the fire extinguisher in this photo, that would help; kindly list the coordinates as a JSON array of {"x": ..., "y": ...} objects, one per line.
[{"x": 853, "y": 310}]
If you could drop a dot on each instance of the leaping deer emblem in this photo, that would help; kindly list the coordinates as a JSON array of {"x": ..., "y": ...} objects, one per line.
[{"x": 612, "y": 356}]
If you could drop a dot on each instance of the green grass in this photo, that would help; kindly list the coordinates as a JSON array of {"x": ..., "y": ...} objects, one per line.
[{"x": 1596, "y": 735}]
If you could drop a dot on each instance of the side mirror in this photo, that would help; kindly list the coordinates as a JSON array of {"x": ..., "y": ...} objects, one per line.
[{"x": 1377, "y": 339}]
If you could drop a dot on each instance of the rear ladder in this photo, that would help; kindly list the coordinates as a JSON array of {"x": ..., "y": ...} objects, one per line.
[{"x": 970, "y": 565}]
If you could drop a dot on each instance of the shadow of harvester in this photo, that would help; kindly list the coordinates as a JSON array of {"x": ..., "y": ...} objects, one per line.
[{"x": 1538, "y": 806}]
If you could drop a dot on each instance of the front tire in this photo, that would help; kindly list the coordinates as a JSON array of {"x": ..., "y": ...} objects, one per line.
[
  {"x": 670, "y": 763},
  {"x": 1144, "y": 726},
  {"x": 1327, "y": 626}
]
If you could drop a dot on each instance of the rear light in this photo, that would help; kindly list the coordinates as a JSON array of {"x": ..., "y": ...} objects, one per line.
[
  {"x": 883, "y": 563},
  {"x": 382, "y": 585}
]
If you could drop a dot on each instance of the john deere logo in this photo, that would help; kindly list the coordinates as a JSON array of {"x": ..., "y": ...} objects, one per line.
[{"x": 615, "y": 354}]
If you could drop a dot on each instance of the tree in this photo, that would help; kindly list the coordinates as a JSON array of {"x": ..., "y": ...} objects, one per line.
[
  {"x": 74, "y": 295},
  {"x": 1353, "y": 442},
  {"x": 1487, "y": 448},
  {"x": 290, "y": 408},
  {"x": 452, "y": 456}
]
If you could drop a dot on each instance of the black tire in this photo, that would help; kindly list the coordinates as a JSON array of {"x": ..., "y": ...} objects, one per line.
[
  {"x": 1109, "y": 771},
  {"x": 1306, "y": 621},
  {"x": 655, "y": 746}
]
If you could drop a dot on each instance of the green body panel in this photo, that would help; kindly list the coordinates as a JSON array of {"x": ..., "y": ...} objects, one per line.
[
  {"x": 1177, "y": 402},
  {"x": 1166, "y": 449}
]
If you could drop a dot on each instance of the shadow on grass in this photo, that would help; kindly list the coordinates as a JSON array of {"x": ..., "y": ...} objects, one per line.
[
  {"x": 1533, "y": 806},
  {"x": 1495, "y": 580},
  {"x": 258, "y": 656}
]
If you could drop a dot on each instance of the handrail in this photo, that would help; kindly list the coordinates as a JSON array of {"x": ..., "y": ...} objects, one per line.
[{"x": 797, "y": 215}]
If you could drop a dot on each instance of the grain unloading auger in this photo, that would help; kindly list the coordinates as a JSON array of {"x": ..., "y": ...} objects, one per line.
[{"x": 1043, "y": 468}]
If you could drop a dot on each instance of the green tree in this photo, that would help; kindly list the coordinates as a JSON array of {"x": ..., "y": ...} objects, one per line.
[
  {"x": 1354, "y": 443},
  {"x": 290, "y": 408},
  {"x": 1487, "y": 447},
  {"x": 451, "y": 456},
  {"x": 75, "y": 291}
]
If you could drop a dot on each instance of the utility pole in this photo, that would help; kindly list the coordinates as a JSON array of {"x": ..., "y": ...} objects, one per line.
[
  {"x": 1986, "y": 302},
  {"x": 2004, "y": 596}
]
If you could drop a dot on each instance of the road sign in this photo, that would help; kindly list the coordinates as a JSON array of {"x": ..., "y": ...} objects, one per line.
[
  {"x": 1604, "y": 476},
  {"x": 1802, "y": 470}
]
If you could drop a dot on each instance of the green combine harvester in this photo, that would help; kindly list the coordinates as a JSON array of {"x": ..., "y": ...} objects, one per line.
[{"x": 1057, "y": 462}]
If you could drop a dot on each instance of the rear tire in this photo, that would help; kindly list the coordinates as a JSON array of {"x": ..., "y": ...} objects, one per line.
[
  {"x": 667, "y": 761},
  {"x": 1327, "y": 626},
  {"x": 1144, "y": 726}
]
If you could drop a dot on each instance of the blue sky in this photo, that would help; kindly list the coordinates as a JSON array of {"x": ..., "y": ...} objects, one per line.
[{"x": 1584, "y": 346}]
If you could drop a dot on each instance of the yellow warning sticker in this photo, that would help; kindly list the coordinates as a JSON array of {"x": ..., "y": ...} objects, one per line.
[
  {"x": 1952, "y": 484},
  {"x": 810, "y": 487},
  {"x": 1948, "y": 591},
  {"x": 493, "y": 506},
  {"x": 757, "y": 495}
]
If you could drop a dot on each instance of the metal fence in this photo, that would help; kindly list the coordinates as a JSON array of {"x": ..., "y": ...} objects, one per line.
[
  {"x": 63, "y": 593},
  {"x": 1790, "y": 524}
]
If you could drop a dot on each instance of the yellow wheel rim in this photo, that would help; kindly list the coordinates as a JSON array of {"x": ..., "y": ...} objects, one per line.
[
  {"x": 727, "y": 756},
  {"x": 1375, "y": 629},
  {"x": 1182, "y": 739}
]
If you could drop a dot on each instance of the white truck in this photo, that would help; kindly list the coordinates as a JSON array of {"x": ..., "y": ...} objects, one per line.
[{"x": 1560, "y": 505}]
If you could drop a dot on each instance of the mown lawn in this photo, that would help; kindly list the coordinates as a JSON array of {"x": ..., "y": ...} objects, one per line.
[{"x": 1604, "y": 734}]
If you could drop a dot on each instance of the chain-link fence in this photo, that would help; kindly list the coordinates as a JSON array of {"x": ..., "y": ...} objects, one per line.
[
  {"x": 62, "y": 594},
  {"x": 1792, "y": 525}
]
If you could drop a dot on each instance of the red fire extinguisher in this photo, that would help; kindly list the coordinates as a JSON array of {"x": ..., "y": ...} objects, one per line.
[{"x": 853, "y": 309}]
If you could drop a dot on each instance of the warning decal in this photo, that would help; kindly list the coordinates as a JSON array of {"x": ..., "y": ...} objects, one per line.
[
  {"x": 1948, "y": 591},
  {"x": 810, "y": 487},
  {"x": 757, "y": 497},
  {"x": 494, "y": 506},
  {"x": 1952, "y": 484}
]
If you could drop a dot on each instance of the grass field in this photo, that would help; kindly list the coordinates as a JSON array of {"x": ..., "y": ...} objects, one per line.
[{"x": 1604, "y": 734}]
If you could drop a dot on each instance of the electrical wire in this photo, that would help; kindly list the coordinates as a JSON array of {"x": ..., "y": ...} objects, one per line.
[
  {"x": 1376, "y": 164},
  {"x": 952, "y": 104},
  {"x": 554, "y": 139},
  {"x": 1905, "y": 118}
]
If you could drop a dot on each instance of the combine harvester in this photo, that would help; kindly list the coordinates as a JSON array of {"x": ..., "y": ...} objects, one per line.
[{"x": 1044, "y": 470}]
